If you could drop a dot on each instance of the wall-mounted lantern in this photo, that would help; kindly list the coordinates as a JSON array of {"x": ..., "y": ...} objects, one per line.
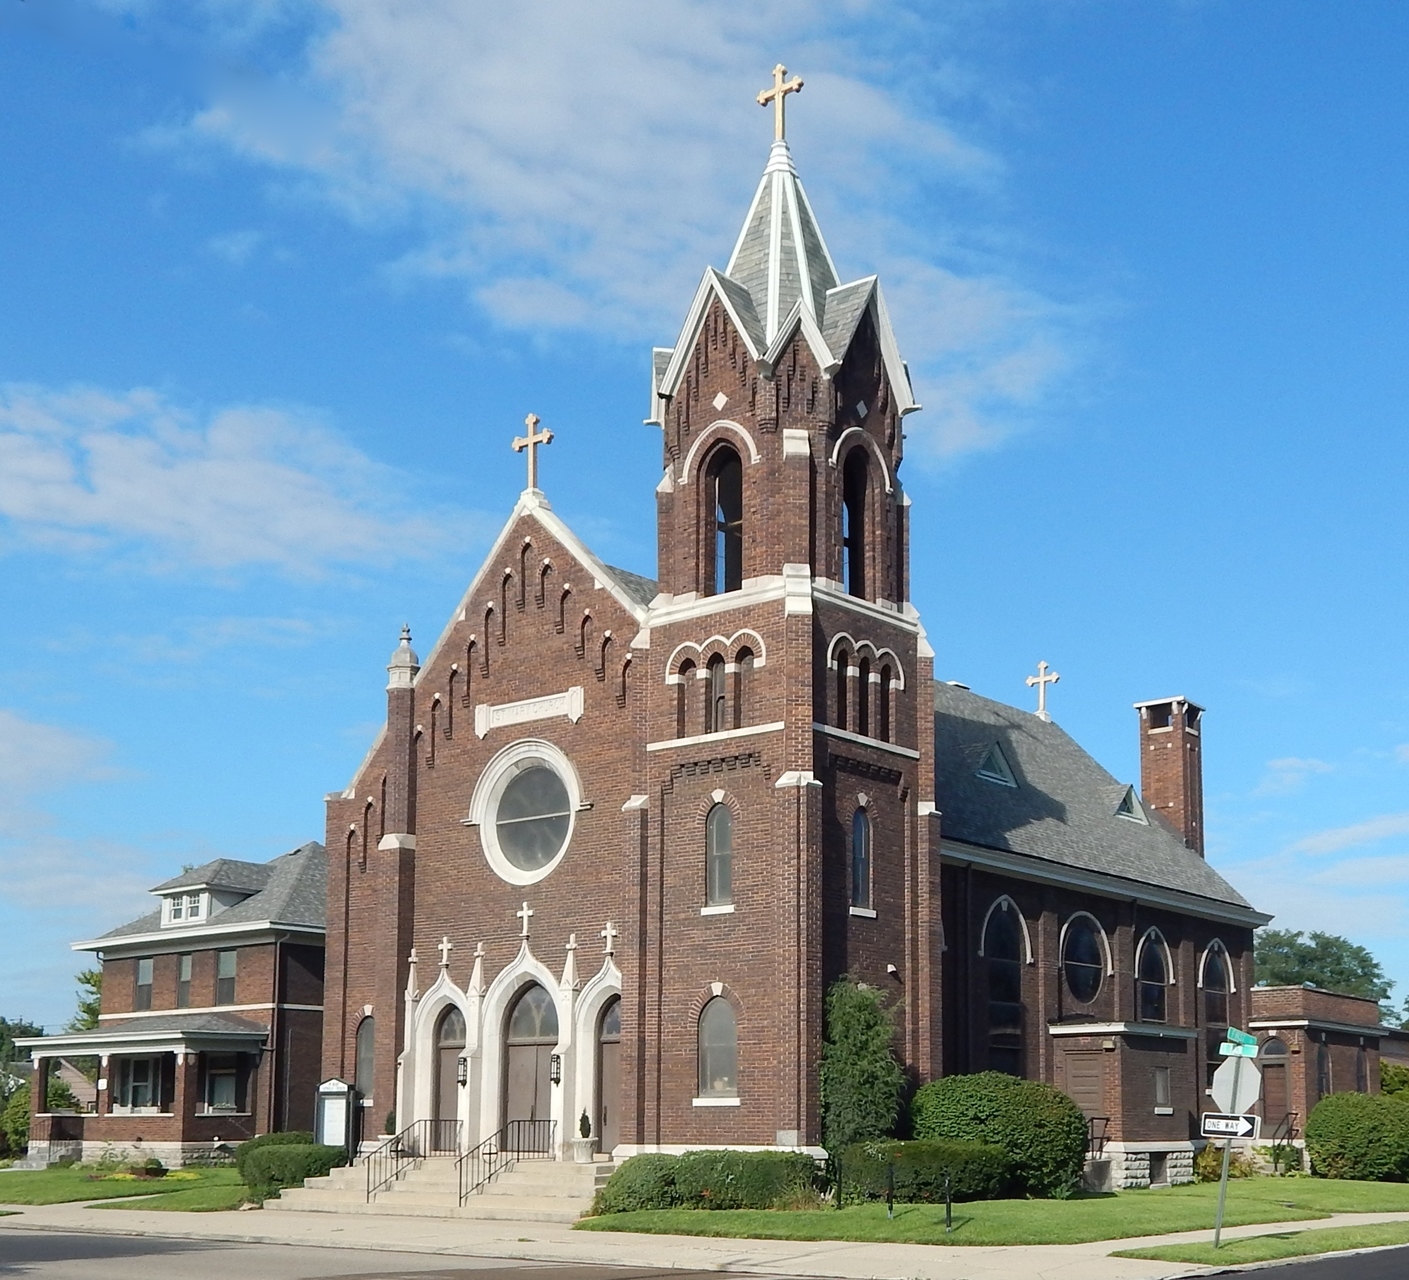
[
  {"x": 555, "y": 1068},
  {"x": 462, "y": 1071}
]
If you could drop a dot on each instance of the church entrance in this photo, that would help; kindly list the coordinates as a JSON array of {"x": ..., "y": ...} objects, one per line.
[
  {"x": 528, "y": 1088},
  {"x": 449, "y": 1045},
  {"x": 609, "y": 1077}
]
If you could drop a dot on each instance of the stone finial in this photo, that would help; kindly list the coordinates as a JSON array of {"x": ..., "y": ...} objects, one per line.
[{"x": 404, "y": 663}]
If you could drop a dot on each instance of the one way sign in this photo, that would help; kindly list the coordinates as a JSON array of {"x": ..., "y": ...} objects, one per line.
[{"x": 1222, "y": 1126}]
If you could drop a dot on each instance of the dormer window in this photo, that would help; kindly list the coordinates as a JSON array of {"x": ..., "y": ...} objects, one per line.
[
  {"x": 1131, "y": 809},
  {"x": 995, "y": 768},
  {"x": 185, "y": 908}
]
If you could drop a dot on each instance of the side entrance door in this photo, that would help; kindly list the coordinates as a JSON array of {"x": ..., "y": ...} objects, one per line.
[{"x": 532, "y": 1036}]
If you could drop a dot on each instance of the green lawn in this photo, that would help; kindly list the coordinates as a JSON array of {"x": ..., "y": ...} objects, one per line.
[
  {"x": 988, "y": 1222},
  {"x": 206, "y": 1196},
  {"x": 61, "y": 1186},
  {"x": 1285, "y": 1244}
]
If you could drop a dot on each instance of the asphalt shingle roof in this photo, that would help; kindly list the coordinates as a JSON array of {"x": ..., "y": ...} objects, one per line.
[
  {"x": 642, "y": 590},
  {"x": 1063, "y": 808}
]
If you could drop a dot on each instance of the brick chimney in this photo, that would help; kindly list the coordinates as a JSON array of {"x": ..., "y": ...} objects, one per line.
[{"x": 1171, "y": 765}]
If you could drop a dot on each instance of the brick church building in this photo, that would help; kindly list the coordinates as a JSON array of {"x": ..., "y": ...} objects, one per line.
[{"x": 618, "y": 835}]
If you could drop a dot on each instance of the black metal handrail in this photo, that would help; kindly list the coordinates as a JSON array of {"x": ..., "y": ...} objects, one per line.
[
  {"x": 517, "y": 1140},
  {"x": 422, "y": 1138},
  {"x": 1096, "y": 1129},
  {"x": 1283, "y": 1138}
]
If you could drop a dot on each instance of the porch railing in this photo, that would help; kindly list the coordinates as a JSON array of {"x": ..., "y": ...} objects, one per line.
[
  {"x": 1096, "y": 1130},
  {"x": 386, "y": 1163},
  {"x": 517, "y": 1140},
  {"x": 1284, "y": 1137}
]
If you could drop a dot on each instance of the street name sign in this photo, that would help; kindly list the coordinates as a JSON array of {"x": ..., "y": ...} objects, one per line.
[
  {"x": 1240, "y": 1037},
  {"x": 1230, "y": 1126},
  {"x": 1237, "y": 1050}
]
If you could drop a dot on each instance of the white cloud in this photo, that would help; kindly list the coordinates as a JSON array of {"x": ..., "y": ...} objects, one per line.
[
  {"x": 36, "y": 758},
  {"x": 578, "y": 165},
  {"x": 1401, "y": 753},
  {"x": 1335, "y": 839},
  {"x": 1289, "y": 774},
  {"x": 236, "y": 247},
  {"x": 86, "y": 469}
]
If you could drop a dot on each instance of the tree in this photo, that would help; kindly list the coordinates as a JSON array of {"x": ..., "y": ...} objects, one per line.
[
  {"x": 90, "y": 1001},
  {"x": 10, "y": 1031},
  {"x": 860, "y": 1077},
  {"x": 14, "y": 1120},
  {"x": 1290, "y": 958}
]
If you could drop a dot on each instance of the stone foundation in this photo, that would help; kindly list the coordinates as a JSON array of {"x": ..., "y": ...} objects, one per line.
[
  {"x": 174, "y": 1155},
  {"x": 1145, "y": 1164}
]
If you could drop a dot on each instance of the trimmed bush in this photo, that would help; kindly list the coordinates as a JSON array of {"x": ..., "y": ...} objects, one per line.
[
  {"x": 642, "y": 1182},
  {"x": 294, "y": 1137},
  {"x": 1040, "y": 1129},
  {"x": 861, "y": 1080},
  {"x": 1359, "y": 1135},
  {"x": 976, "y": 1171},
  {"x": 1208, "y": 1164},
  {"x": 272, "y": 1167},
  {"x": 741, "y": 1179},
  {"x": 1394, "y": 1078}
]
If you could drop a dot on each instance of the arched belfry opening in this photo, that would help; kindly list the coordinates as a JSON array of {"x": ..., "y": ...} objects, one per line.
[
  {"x": 724, "y": 497},
  {"x": 855, "y": 482}
]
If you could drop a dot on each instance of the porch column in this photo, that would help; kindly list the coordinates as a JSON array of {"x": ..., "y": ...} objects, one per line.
[
  {"x": 103, "y": 1099},
  {"x": 187, "y": 1096},
  {"x": 38, "y": 1104}
]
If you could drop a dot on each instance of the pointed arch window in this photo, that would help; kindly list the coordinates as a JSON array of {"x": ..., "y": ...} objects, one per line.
[
  {"x": 863, "y": 697},
  {"x": 725, "y": 489},
  {"x": 1216, "y": 986},
  {"x": 861, "y": 859},
  {"x": 718, "y": 1050},
  {"x": 365, "y": 1057},
  {"x": 853, "y": 522},
  {"x": 843, "y": 675},
  {"x": 1152, "y": 980},
  {"x": 719, "y": 857},
  {"x": 743, "y": 680},
  {"x": 1002, "y": 956},
  {"x": 682, "y": 697},
  {"x": 883, "y": 705},
  {"x": 717, "y": 712}
]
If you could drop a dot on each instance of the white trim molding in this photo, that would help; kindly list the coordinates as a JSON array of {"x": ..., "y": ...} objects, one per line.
[
  {"x": 1159, "y": 1029},
  {"x": 724, "y": 735},
  {"x": 549, "y": 707},
  {"x": 715, "y": 1102}
]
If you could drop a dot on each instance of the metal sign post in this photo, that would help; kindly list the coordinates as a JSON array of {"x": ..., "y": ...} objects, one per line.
[
  {"x": 1234, "y": 1091},
  {"x": 1227, "y": 1155}
]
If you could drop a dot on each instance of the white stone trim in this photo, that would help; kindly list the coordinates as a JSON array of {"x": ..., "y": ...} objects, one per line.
[
  {"x": 866, "y": 913},
  {"x": 867, "y": 438},
  {"x": 720, "y": 909},
  {"x": 797, "y": 442},
  {"x": 547, "y": 707},
  {"x": 1100, "y": 933},
  {"x": 862, "y": 740},
  {"x": 1160, "y": 1029},
  {"x": 205, "y": 1008},
  {"x": 715, "y": 1102},
  {"x": 1219, "y": 945},
  {"x": 702, "y": 440},
  {"x": 723, "y": 735},
  {"x": 1028, "y": 955},
  {"x": 492, "y": 781}
]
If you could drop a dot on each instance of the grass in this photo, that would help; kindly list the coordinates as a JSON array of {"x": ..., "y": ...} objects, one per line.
[
  {"x": 63, "y": 1186},
  {"x": 1285, "y": 1244},
  {"x": 991, "y": 1222},
  {"x": 208, "y": 1196}
]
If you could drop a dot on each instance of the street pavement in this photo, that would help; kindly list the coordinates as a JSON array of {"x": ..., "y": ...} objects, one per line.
[{"x": 1382, "y": 1264}]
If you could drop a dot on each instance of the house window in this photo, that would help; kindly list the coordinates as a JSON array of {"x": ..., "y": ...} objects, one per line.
[
  {"x": 717, "y": 712},
  {"x": 138, "y": 1083},
  {"x": 177, "y": 907},
  {"x": 221, "y": 1080},
  {"x": 1002, "y": 957},
  {"x": 143, "y": 998},
  {"x": 725, "y": 480},
  {"x": 183, "y": 982},
  {"x": 853, "y": 523},
  {"x": 225, "y": 977},
  {"x": 719, "y": 856},
  {"x": 1082, "y": 959},
  {"x": 195, "y": 906},
  {"x": 861, "y": 859},
  {"x": 366, "y": 1046},
  {"x": 1162, "y": 1094},
  {"x": 1152, "y": 981},
  {"x": 1215, "y": 1009},
  {"x": 718, "y": 1050}
]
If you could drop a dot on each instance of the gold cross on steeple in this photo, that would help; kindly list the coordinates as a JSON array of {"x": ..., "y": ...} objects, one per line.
[
  {"x": 776, "y": 95},
  {"x": 531, "y": 443}
]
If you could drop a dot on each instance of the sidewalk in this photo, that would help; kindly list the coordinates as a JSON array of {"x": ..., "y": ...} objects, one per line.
[{"x": 543, "y": 1242}]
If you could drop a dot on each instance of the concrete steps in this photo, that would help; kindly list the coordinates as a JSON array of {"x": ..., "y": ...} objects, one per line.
[{"x": 528, "y": 1191}]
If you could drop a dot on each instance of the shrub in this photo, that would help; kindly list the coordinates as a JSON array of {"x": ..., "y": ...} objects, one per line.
[
  {"x": 294, "y": 1137},
  {"x": 1394, "y": 1078},
  {"x": 1359, "y": 1135},
  {"x": 976, "y": 1170},
  {"x": 1208, "y": 1164},
  {"x": 741, "y": 1179},
  {"x": 642, "y": 1182},
  {"x": 861, "y": 1081},
  {"x": 269, "y": 1168},
  {"x": 1040, "y": 1129}
]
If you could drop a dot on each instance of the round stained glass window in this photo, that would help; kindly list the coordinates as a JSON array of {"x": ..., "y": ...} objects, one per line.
[{"x": 533, "y": 817}]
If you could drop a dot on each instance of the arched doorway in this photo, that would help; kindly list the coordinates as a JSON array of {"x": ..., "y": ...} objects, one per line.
[
  {"x": 449, "y": 1045},
  {"x": 609, "y": 1076},
  {"x": 528, "y": 1051},
  {"x": 1276, "y": 1096}
]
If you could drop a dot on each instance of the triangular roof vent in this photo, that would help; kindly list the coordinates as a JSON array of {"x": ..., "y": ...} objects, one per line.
[
  {"x": 995, "y": 767},
  {"x": 1130, "y": 807}
]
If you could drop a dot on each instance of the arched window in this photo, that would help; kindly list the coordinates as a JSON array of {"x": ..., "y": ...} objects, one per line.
[
  {"x": 719, "y": 857},
  {"x": 1215, "y": 984},
  {"x": 861, "y": 859},
  {"x": 1002, "y": 956},
  {"x": 853, "y": 523},
  {"x": 1083, "y": 964},
  {"x": 842, "y": 678},
  {"x": 743, "y": 680},
  {"x": 366, "y": 1057},
  {"x": 725, "y": 489},
  {"x": 683, "y": 692},
  {"x": 717, "y": 708},
  {"x": 863, "y": 697},
  {"x": 718, "y": 1050},
  {"x": 1151, "y": 980},
  {"x": 883, "y": 706}
]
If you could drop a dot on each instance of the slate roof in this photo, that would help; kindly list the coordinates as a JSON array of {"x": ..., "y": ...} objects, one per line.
[
  {"x": 293, "y": 891},
  {"x": 642, "y": 590},
  {"x": 1062, "y": 809}
]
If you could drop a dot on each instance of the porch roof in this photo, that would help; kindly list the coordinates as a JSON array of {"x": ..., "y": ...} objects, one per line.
[{"x": 169, "y": 1033}]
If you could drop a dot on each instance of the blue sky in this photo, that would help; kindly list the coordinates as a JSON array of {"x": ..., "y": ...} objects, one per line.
[{"x": 279, "y": 281}]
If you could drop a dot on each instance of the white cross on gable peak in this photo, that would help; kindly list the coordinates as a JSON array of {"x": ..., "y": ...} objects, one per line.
[
  {"x": 610, "y": 935},
  {"x": 525, "y": 913},
  {"x": 445, "y": 947},
  {"x": 1045, "y": 676}
]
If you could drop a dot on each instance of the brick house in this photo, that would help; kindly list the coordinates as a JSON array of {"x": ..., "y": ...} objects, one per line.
[
  {"x": 618, "y": 835},
  {"x": 212, "y": 1017}
]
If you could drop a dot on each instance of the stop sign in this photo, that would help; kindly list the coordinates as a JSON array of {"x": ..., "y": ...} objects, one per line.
[{"x": 1237, "y": 1084}]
